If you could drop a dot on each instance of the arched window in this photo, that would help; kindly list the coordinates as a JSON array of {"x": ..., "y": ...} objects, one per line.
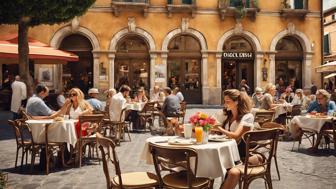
[{"x": 288, "y": 62}]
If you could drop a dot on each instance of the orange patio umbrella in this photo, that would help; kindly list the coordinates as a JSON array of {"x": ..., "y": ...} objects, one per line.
[{"x": 40, "y": 52}]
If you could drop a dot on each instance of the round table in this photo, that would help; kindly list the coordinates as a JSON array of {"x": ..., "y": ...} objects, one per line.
[{"x": 214, "y": 158}]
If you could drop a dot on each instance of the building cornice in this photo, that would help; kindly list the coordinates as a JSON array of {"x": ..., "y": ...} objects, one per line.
[{"x": 201, "y": 11}]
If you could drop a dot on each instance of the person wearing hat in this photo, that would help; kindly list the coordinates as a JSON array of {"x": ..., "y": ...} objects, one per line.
[
  {"x": 257, "y": 97},
  {"x": 298, "y": 98},
  {"x": 93, "y": 101}
]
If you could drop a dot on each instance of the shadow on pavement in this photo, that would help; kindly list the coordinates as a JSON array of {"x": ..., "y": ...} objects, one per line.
[{"x": 6, "y": 132}]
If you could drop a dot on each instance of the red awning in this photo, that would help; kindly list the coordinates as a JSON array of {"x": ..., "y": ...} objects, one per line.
[{"x": 40, "y": 52}]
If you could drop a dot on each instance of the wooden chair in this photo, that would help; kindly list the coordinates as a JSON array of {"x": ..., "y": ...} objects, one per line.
[
  {"x": 178, "y": 157},
  {"x": 118, "y": 129},
  {"x": 305, "y": 134},
  {"x": 130, "y": 180},
  {"x": 21, "y": 143},
  {"x": 146, "y": 114},
  {"x": 296, "y": 110},
  {"x": 94, "y": 121},
  {"x": 331, "y": 133},
  {"x": 261, "y": 144},
  {"x": 182, "y": 113},
  {"x": 264, "y": 116},
  {"x": 282, "y": 129}
]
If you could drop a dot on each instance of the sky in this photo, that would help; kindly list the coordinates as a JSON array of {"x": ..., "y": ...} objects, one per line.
[{"x": 327, "y": 4}]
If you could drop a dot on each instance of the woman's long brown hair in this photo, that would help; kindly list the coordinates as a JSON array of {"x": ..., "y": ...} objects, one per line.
[{"x": 244, "y": 105}]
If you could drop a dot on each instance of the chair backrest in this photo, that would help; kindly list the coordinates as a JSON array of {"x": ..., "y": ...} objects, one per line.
[
  {"x": 183, "y": 105},
  {"x": 262, "y": 144},
  {"x": 149, "y": 107},
  {"x": 24, "y": 114},
  {"x": 264, "y": 116},
  {"x": 296, "y": 110},
  {"x": 109, "y": 156},
  {"x": 16, "y": 130},
  {"x": 174, "y": 157},
  {"x": 92, "y": 119},
  {"x": 21, "y": 130},
  {"x": 124, "y": 113}
]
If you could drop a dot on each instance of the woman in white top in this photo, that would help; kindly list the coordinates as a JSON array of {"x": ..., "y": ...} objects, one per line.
[
  {"x": 76, "y": 105},
  {"x": 238, "y": 120}
]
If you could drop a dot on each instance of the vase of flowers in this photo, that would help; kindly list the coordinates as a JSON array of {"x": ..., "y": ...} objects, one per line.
[{"x": 204, "y": 121}]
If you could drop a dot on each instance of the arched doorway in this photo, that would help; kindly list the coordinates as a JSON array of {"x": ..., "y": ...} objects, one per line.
[
  {"x": 184, "y": 67},
  {"x": 78, "y": 74},
  {"x": 132, "y": 63},
  {"x": 288, "y": 62},
  {"x": 237, "y": 63}
]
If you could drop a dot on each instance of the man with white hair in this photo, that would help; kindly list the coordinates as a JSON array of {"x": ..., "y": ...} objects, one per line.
[
  {"x": 93, "y": 101},
  {"x": 19, "y": 93}
]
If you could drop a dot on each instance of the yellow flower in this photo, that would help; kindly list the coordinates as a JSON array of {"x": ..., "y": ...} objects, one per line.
[{"x": 203, "y": 115}]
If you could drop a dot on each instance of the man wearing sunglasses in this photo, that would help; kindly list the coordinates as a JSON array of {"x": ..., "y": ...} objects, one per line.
[{"x": 35, "y": 104}]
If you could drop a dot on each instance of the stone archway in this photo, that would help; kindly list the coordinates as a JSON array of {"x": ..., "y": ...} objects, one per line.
[
  {"x": 60, "y": 34},
  {"x": 307, "y": 53},
  {"x": 113, "y": 45},
  {"x": 204, "y": 64},
  {"x": 257, "y": 49}
]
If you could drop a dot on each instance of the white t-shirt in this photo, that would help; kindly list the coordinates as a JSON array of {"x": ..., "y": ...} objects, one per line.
[
  {"x": 246, "y": 121},
  {"x": 74, "y": 113}
]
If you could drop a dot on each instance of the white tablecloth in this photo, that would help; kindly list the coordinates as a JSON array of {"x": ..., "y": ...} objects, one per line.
[
  {"x": 309, "y": 122},
  {"x": 60, "y": 131},
  {"x": 213, "y": 158},
  {"x": 135, "y": 106}
]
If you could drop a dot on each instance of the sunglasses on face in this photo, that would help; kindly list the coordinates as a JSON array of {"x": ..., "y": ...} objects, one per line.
[{"x": 72, "y": 94}]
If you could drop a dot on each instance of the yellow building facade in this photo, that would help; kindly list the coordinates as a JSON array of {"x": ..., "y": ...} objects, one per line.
[{"x": 201, "y": 46}]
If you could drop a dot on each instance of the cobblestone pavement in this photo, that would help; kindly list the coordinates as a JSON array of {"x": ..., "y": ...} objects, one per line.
[{"x": 299, "y": 169}]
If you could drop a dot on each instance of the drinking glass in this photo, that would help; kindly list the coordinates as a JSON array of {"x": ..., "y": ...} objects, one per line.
[
  {"x": 199, "y": 135},
  {"x": 187, "y": 128}
]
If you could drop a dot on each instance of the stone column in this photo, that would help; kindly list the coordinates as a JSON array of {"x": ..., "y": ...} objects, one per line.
[
  {"x": 307, "y": 69},
  {"x": 205, "y": 87},
  {"x": 95, "y": 69},
  {"x": 111, "y": 57},
  {"x": 257, "y": 69},
  {"x": 219, "y": 69},
  {"x": 152, "y": 72},
  {"x": 272, "y": 68},
  {"x": 164, "y": 57}
]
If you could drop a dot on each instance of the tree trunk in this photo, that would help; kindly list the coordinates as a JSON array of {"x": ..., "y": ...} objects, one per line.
[{"x": 23, "y": 49}]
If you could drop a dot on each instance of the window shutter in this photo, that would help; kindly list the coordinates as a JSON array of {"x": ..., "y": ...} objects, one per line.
[
  {"x": 298, "y": 4},
  {"x": 326, "y": 49}
]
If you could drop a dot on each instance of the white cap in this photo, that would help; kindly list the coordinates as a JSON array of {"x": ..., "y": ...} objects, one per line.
[{"x": 93, "y": 91}]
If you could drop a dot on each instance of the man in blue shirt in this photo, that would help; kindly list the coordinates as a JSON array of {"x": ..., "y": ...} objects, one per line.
[
  {"x": 93, "y": 101},
  {"x": 35, "y": 104}
]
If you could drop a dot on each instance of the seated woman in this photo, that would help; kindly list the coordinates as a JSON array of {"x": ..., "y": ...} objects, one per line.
[
  {"x": 268, "y": 101},
  {"x": 323, "y": 105},
  {"x": 141, "y": 96},
  {"x": 238, "y": 120}
]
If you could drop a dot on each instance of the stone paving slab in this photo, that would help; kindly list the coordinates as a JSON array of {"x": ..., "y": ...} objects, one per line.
[{"x": 299, "y": 169}]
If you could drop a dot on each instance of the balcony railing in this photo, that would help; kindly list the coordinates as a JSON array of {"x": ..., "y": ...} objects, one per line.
[
  {"x": 294, "y": 8},
  {"x": 188, "y": 6},
  {"x": 130, "y": 5},
  {"x": 238, "y": 8}
]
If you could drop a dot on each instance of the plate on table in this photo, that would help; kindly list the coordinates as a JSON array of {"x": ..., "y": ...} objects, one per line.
[
  {"x": 318, "y": 116},
  {"x": 181, "y": 141},
  {"x": 218, "y": 138}
]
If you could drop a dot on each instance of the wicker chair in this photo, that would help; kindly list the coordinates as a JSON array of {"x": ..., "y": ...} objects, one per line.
[
  {"x": 262, "y": 144},
  {"x": 178, "y": 157},
  {"x": 264, "y": 116},
  {"x": 95, "y": 121},
  {"x": 282, "y": 129},
  {"x": 146, "y": 114},
  {"x": 130, "y": 180}
]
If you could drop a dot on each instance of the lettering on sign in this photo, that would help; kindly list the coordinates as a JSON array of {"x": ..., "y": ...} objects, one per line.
[{"x": 238, "y": 55}]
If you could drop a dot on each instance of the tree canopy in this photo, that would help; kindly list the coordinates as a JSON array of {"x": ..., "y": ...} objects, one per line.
[{"x": 42, "y": 11}]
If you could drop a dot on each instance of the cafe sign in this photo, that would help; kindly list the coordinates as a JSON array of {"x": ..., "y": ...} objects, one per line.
[{"x": 238, "y": 55}]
